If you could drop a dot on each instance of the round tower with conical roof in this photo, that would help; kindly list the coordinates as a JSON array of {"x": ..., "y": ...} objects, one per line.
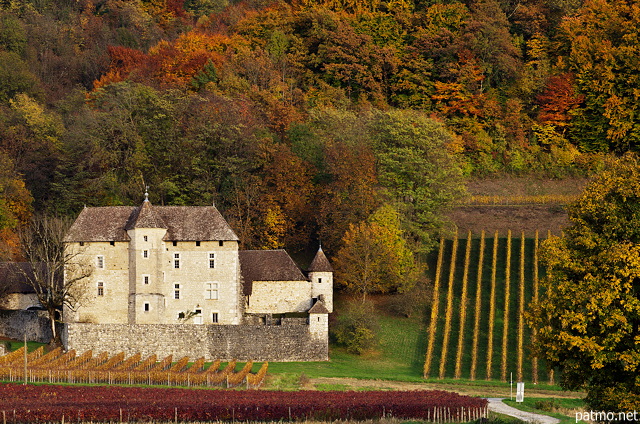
[{"x": 320, "y": 273}]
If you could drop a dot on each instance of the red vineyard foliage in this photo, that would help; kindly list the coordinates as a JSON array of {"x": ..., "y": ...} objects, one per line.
[{"x": 102, "y": 403}]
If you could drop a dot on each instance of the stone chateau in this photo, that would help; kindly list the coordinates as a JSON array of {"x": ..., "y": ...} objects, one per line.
[{"x": 172, "y": 280}]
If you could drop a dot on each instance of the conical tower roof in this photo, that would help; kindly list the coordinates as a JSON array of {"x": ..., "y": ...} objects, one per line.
[{"x": 320, "y": 263}]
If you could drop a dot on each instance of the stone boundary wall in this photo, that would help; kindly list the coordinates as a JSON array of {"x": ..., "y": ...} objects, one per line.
[
  {"x": 224, "y": 342},
  {"x": 15, "y": 323}
]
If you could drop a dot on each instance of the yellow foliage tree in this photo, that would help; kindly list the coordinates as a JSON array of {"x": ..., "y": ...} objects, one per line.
[
  {"x": 588, "y": 314},
  {"x": 375, "y": 257}
]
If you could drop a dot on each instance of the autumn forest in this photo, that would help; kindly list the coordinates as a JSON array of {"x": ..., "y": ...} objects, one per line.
[{"x": 306, "y": 119}]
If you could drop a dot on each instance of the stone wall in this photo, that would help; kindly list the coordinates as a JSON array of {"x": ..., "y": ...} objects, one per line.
[
  {"x": 224, "y": 342},
  {"x": 14, "y": 325}
]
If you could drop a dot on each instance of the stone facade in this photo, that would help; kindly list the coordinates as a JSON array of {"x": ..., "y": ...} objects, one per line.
[
  {"x": 179, "y": 273},
  {"x": 225, "y": 342},
  {"x": 17, "y": 301}
]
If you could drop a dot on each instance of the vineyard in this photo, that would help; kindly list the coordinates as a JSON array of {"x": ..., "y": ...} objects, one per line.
[
  {"x": 481, "y": 290},
  {"x": 50, "y": 403},
  {"x": 58, "y": 366}
]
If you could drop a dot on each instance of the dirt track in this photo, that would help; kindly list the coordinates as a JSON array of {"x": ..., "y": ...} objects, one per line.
[{"x": 462, "y": 388}]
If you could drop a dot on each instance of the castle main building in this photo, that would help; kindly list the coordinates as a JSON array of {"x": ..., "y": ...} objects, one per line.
[{"x": 181, "y": 266}]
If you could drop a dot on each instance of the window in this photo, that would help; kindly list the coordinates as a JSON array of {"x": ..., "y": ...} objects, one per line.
[
  {"x": 112, "y": 243},
  {"x": 145, "y": 279},
  {"x": 176, "y": 260},
  {"x": 100, "y": 262},
  {"x": 100, "y": 288},
  {"x": 211, "y": 291},
  {"x": 81, "y": 243},
  {"x": 214, "y": 317},
  {"x": 220, "y": 243},
  {"x": 145, "y": 238},
  {"x": 147, "y": 307},
  {"x": 176, "y": 291},
  {"x": 212, "y": 260},
  {"x": 319, "y": 280},
  {"x": 197, "y": 317},
  {"x": 175, "y": 243},
  {"x": 145, "y": 254},
  {"x": 197, "y": 243}
]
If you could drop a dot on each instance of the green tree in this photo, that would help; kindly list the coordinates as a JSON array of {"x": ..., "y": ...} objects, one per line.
[
  {"x": 356, "y": 327},
  {"x": 419, "y": 173},
  {"x": 588, "y": 320},
  {"x": 374, "y": 257}
]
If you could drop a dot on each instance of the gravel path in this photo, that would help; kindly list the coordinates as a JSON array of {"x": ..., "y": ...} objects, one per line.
[{"x": 496, "y": 405}]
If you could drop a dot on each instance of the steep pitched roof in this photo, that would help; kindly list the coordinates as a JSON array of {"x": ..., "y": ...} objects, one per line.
[
  {"x": 183, "y": 223},
  {"x": 193, "y": 223},
  {"x": 145, "y": 216},
  {"x": 101, "y": 224},
  {"x": 267, "y": 265},
  {"x": 319, "y": 308},
  {"x": 320, "y": 263}
]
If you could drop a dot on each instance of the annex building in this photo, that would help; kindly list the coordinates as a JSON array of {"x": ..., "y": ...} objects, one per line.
[{"x": 172, "y": 280}]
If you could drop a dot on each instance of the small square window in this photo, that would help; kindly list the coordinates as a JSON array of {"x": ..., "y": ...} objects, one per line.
[
  {"x": 81, "y": 243},
  {"x": 220, "y": 243},
  {"x": 214, "y": 317},
  {"x": 112, "y": 243},
  {"x": 146, "y": 238},
  {"x": 175, "y": 243},
  {"x": 197, "y": 243},
  {"x": 147, "y": 307},
  {"x": 319, "y": 280}
]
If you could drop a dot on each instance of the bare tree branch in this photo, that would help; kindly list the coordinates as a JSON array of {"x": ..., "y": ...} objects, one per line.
[{"x": 59, "y": 275}]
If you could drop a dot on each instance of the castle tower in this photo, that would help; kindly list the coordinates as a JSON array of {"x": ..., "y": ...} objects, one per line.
[
  {"x": 320, "y": 274},
  {"x": 146, "y": 230}
]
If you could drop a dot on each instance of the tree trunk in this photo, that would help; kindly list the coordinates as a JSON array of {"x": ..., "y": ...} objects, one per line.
[{"x": 56, "y": 340}]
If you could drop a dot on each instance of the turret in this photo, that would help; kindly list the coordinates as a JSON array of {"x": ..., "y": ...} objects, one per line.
[{"x": 320, "y": 273}]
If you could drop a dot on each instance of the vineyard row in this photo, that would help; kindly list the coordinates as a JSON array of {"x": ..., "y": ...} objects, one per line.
[
  {"x": 458, "y": 309},
  {"x": 58, "y": 366}
]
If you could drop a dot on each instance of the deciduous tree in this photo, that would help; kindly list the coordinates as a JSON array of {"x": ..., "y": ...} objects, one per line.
[
  {"x": 588, "y": 315},
  {"x": 59, "y": 275},
  {"x": 374, "y": 257}
]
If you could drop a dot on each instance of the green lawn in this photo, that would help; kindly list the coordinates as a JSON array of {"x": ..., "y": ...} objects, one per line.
[{"x": 400, "y": 356}]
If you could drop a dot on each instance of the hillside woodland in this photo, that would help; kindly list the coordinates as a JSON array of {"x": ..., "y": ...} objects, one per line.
[{"x": 303, "y": 119}]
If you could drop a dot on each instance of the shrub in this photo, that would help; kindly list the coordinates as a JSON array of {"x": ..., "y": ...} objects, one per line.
[{"x": 356, "y": 328}]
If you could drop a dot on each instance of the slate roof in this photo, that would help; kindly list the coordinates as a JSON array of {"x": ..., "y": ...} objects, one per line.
[
  {"x": 12, "y": 279},
  {"x": 320, "y": 263},
  {"x": 267, "y": 265},
  {"x": 319, "y": 308},
  {"x": 183, "y": 223}
]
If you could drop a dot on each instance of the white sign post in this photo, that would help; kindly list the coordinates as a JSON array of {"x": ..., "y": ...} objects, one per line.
[{"x": 520, "y": 392}]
